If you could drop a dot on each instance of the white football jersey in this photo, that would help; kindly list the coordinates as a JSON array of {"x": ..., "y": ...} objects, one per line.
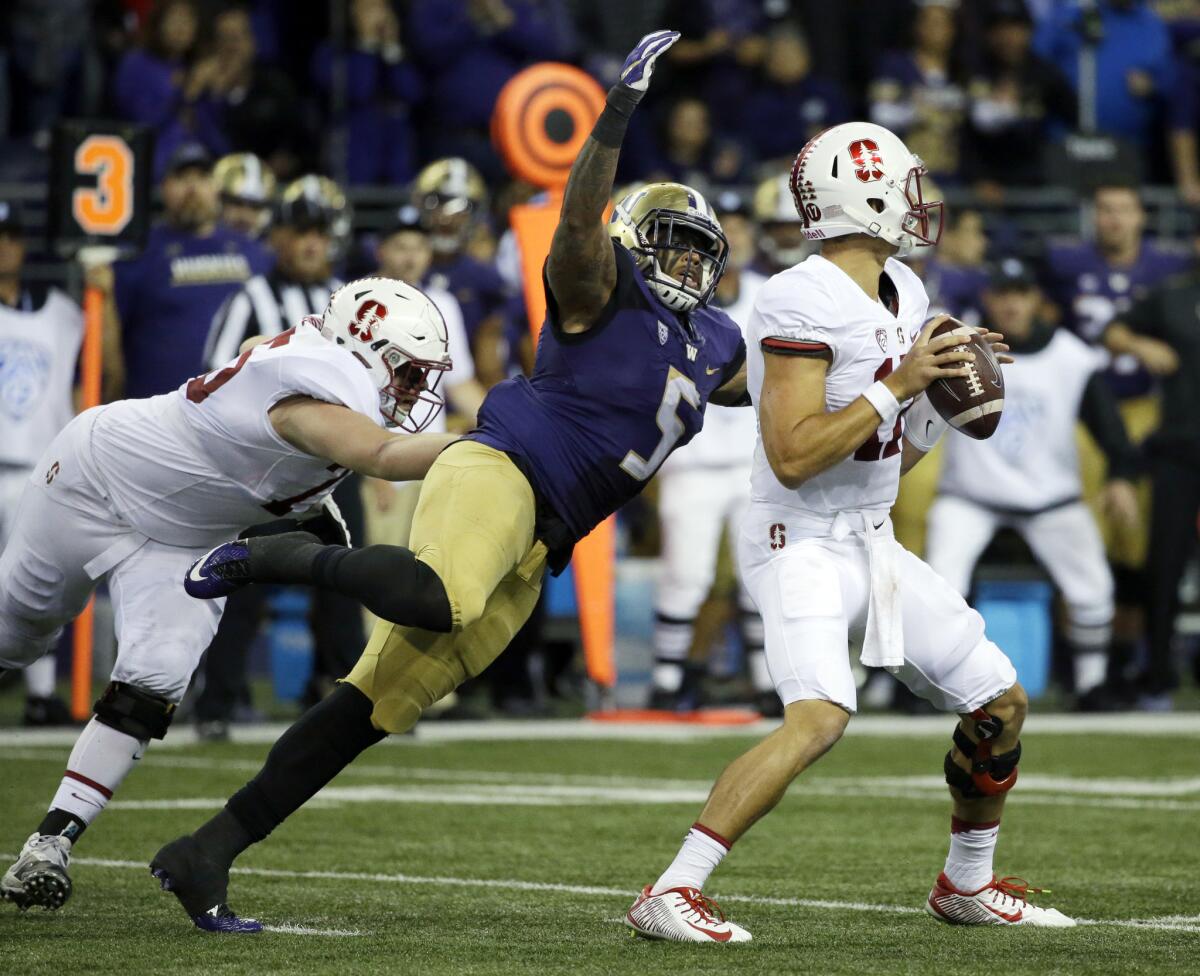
[
  {"x": 462, "y": 369},
  {"x": 205, "y": 461},
  {"x": 815, "y": 303},
  {"x": 38, "y": 351},
  {"x": 728, "y": 435},
  {"x": 1030, "y": 463}
]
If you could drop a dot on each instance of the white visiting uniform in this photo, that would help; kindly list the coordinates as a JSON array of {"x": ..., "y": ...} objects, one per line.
[
  {"x": 821, "y": 560},
  {"x": 138, "y": 489},
  {"x": 1031, "y": 462},
  {"x": 705, "y": 487}
]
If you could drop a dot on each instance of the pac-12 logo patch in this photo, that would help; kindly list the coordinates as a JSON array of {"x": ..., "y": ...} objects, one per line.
[
  {"x": 881, "y": 338},
  {"x": 662, "y": 333},
  {"x": 24, "y": 377},
  {"x": 778, "y": 536},
  {"x": 868, "y": 163},
  {"x": 369, "y": 315}
]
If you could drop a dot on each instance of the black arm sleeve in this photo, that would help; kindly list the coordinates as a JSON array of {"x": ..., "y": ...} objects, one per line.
[{"x": 1099, "y": 413}]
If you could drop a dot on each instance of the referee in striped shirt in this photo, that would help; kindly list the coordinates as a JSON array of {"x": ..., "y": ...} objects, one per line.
[
  {"x": 269, "y": 304},
  {"x": 300, "y": 283}
]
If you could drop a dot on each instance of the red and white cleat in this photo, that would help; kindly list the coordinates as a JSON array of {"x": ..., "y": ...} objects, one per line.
[
  {"x": 682, "y": 915},
  {"x": 1002, "y": 901}
]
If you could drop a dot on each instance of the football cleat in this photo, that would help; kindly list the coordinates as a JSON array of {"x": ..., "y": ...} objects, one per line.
[
  {"x": 39, "y": 875},
  {"x": 46, "y": 712},
  {"x": 200, "y": 884},
  {"x": 219, "y": 571},
  {"x": 681, "y": 915},
  {"x": 1002, "y": 901}
]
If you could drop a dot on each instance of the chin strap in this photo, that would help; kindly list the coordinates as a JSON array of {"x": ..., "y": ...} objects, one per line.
[{"x": 990, "y": 774}]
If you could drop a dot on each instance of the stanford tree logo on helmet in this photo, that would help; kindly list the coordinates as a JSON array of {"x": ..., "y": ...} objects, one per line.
[
  {"x": 400, "y": 337},
  {"x": 860, "y": 178}
]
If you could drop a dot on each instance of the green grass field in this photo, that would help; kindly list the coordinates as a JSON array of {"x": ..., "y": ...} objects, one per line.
[{"x": 457, "y": 851}]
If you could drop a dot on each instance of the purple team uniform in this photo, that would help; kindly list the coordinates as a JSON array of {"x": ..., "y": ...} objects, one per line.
[
  {"x": 167, "y": 297},
  {"x": 1091, "y": 293},
  {"x": 598, "y": 398}
]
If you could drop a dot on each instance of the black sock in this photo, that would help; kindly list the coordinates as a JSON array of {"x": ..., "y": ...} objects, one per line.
[
  {"x": 223, "y": 838},
  {"x": 316, "y": 748},
  {"x": 286, "y": 558},
  {"x": 388, "y": 580},
  {"x": 60, "y": 823}
]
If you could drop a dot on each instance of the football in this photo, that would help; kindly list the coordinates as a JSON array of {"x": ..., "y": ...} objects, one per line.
[{"x": 971, "y": 403}]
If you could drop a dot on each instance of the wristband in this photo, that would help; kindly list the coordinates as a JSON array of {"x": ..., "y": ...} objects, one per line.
[
  {"x": 884, "y": 402},
  {"x": 923, "y": 425},
  {"x": 609, "y": 129}
]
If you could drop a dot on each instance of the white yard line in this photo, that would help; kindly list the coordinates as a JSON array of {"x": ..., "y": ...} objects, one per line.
[
  {"x": 303, "y": 930},
  {"x": 491, "y": 787},
  {"x": 886, "y": 726},
  {"x": 529, "y": 795},
  {"x": 1174, "y": 923}
]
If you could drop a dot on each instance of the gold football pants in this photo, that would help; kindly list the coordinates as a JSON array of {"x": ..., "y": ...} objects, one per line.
[{"x": 474, "y": 527}]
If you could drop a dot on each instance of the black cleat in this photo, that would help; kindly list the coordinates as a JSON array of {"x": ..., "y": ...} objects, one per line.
[
  {"x": 200, "y": 884},
  {"x": 47, "y": 712}
]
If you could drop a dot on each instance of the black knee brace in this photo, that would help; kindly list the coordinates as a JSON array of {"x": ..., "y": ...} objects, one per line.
[
  {"x": 135, "y": 712},
  {"x": 990, "y": 775}
]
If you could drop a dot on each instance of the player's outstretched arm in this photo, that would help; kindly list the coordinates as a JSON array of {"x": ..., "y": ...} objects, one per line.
[
  {"x": 581, "y": 269},
  {"x": 347, "y": 438},
  {"x": 801, "y": 439}
]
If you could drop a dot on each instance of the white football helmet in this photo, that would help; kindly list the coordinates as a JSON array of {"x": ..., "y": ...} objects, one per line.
[
  {"x": 397, "y": 332},
  {"x": 860, "y": 178}
]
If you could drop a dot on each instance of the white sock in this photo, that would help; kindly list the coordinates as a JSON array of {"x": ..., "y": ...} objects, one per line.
[
  {"x": 672, "y": 642},
  {"x": 1090, "y": 670},
  {"x": 99, "y": 762},
  {"x": 699, "y": 856},
  {"x": 39, "y": 678},
  {"x": 969, "y": 863}
]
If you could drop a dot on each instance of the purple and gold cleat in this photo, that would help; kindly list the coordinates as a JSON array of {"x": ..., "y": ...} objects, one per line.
[
  {"x": 219, "y": 571},
  {"x": 199, "y": 883}
]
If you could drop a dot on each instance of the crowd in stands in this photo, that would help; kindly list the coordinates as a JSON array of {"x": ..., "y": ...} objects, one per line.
[{"x": 369, "y": 90}]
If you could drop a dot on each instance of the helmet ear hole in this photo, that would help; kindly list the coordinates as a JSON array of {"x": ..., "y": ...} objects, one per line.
[
  {"x": 833, "y": 168},
  {"x": 876, "y": 204}
]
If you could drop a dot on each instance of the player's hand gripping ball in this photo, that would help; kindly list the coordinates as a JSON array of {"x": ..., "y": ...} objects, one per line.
[
  {"x": 971, "y": 403},
  {"x": 639, "y": 66}
]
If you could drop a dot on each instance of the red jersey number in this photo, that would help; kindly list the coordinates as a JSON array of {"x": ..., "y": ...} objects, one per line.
[
  {"x": 201, "y": 388},
  {"x": 876, "y": 448}
]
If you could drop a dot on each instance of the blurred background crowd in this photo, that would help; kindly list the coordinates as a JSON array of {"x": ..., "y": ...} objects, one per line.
[{"x": 301, "y": 143}]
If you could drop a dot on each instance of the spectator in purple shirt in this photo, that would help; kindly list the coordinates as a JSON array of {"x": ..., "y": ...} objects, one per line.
[
  {"x": 690, "y": 152},
  {"x": 166, "y": 297},
  {"x": 721, "y": 46},
  {"x": 788, "y": 105},
  {"x": 469, "y": 49},
  {"x": 382, "y": 85},
  {"x": 161, "y": 84},
  {"x": 257, "y": 105},
  {"x": 918, "y": 93}
]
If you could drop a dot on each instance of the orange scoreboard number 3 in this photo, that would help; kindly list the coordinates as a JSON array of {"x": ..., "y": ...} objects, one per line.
[
  {"x": 100, "y": 182},
  {"x": 106, "y": 208}
]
